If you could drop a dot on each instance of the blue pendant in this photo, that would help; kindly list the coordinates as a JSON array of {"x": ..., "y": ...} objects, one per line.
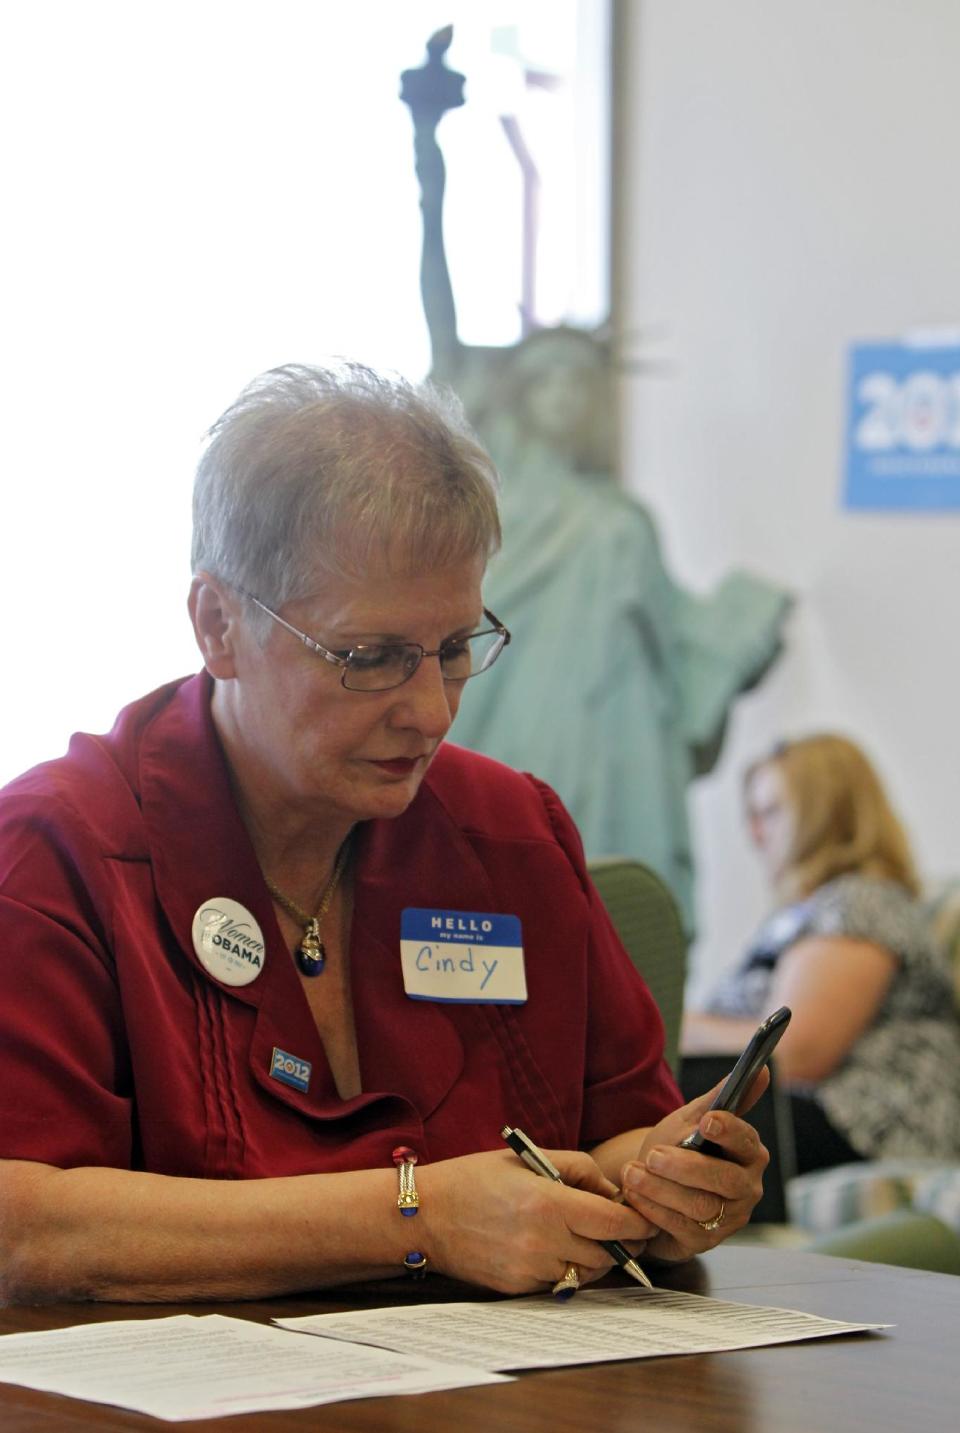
[
  {"x": 311, "y": 956},
  {"x": 311, "y": 965}
]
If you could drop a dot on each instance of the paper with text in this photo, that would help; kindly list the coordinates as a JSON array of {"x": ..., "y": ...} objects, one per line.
[
  {"x": 204, "y": 1366},
  {"x": 599, "y": 1325}
]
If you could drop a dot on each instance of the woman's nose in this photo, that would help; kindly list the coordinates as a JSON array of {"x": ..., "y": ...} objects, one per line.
[{"x": 426, "y": 701}]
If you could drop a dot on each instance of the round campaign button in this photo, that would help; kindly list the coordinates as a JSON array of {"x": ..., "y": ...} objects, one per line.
[{"x": 228, "y": 941}]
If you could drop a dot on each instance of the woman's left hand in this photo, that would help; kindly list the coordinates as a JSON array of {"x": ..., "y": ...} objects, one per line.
[{"x": 682, "y": 1191}]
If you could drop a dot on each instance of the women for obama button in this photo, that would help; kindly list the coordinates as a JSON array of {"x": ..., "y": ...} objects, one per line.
[{"x": 228, "y": 941}]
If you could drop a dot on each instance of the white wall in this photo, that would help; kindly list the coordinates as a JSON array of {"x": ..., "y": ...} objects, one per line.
[
  {"x": 194, "y": 191},
  {"x": 791, "y": 188}
]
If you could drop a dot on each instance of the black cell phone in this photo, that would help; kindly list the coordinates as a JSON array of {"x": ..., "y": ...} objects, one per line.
[{"x": 761, "y": 1046}]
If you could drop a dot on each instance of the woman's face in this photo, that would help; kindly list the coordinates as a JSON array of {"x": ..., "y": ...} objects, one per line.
[
  {"x": 304, "y": 742},
  {"x": 770, "y": 818}
]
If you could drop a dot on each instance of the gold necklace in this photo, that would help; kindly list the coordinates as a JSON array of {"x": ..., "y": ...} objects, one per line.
[{"x": 311, "y": 955}]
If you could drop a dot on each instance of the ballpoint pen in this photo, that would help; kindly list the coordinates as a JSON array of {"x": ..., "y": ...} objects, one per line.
[{"x": 536, "y": 1160}]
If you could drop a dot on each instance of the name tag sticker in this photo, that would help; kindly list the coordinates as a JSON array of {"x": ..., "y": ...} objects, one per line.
[
  {"x": 464, "y": 956},
  {"x": 290, "y": 1069}
]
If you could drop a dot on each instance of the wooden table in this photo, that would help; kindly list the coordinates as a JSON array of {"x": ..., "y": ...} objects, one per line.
[{"x": 905, "y": 1381}]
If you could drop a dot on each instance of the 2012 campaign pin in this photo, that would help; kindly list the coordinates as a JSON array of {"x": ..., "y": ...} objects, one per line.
[
  {"x": 290, "y": 1069},
  {"x": 228, "y": 941},
  {"x": 469, "y": 957}
]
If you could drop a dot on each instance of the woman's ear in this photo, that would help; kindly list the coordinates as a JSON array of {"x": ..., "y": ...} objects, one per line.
[{"x": 213, "y": 612}]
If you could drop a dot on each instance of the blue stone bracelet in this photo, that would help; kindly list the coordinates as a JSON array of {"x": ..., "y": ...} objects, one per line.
[{"x": 408, "y": 1201}]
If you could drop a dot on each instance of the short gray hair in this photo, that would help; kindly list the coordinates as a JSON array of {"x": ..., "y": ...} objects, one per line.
[{"x": 329, "y": 467}]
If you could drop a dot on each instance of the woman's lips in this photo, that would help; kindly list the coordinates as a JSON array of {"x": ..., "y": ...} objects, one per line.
[{"x": 399, "y": 766}]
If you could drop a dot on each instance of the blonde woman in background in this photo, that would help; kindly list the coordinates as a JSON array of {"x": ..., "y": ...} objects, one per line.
[{"x": 872, "y": 1055}]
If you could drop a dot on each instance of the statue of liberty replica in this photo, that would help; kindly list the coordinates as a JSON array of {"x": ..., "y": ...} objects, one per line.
[{"x": 618, "y": 683}]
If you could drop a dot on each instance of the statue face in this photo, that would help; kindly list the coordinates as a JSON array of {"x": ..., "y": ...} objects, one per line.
[{"x": 560, "y": 400}]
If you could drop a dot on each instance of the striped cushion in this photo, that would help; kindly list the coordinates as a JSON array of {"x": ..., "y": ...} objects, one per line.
[
  {"x": 939, "y": 1194},
  {"x": 829, "y": 1198}
]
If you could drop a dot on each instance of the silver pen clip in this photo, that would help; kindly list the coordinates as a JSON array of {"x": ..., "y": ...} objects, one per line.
[{"x": 535, "y": 1158}]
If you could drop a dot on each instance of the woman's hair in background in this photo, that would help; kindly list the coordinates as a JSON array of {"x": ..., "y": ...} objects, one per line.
[
  {"x": 332, "y": 467},
  {"x": 843, "y": 820}
]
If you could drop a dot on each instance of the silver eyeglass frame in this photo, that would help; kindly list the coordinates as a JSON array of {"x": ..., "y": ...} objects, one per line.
[{"x": 344, "y": 663}]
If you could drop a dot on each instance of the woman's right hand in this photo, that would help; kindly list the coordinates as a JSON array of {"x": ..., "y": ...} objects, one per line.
[{"x": 489, "y": 1220}]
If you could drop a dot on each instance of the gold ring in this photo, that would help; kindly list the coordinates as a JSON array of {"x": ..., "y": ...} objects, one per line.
[
  {"x": 710, "y": 1224},
  {"x": 569, "y": 1284}
]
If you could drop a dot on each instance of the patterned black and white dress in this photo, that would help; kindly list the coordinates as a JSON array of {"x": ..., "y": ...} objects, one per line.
[{"x": 897, "y": 1093}]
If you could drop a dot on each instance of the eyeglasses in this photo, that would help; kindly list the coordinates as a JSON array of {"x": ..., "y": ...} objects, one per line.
[
  {"x": 378, "y": 666},
  {"x": 760, "y": 815}
]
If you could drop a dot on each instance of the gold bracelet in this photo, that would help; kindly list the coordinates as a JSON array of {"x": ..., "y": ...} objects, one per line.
[{"x": 408, "y": 1201}]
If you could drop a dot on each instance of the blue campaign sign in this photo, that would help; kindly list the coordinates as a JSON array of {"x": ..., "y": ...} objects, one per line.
[{"x": 903, "y": 427}]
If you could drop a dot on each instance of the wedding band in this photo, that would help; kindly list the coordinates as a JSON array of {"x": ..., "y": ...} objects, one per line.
[
  {"x": 710, "y": 1224},
  {"x": 569, "y": 1284}
]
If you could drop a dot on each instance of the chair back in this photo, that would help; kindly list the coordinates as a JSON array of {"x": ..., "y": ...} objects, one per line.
[
  {"x": 907, "y": 1237},
  {"x": 648, "y": 923}
]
